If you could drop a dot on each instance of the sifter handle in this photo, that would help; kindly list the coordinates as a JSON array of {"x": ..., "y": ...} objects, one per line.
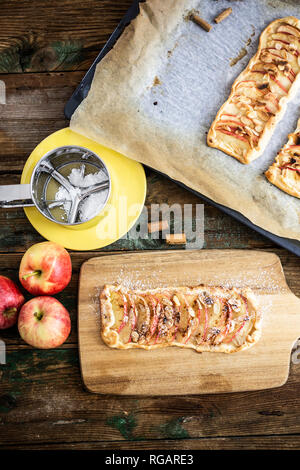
[{"x": 15, "y": 195}]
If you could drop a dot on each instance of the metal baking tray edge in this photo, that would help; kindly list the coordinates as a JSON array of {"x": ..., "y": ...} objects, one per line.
[{"x": 82, "y": 90}]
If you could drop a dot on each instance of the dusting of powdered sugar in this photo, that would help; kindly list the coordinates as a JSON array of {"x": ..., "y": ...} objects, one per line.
[
  {"x": 140, "y": 279},
  {"x": 264, "y": 283},
  {"x": 94, "y": 303},
  {"x": 89, "y": 206},
  {"x": 264, "y": 280}
]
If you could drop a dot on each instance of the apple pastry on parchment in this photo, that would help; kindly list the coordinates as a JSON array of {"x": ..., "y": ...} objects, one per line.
[
  {"x": 259, "y": 96},
  {"x": 202, "y": 318},
  {"x": 285, "y": 171}
]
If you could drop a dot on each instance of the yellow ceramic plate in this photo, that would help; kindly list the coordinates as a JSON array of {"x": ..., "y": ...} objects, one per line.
[{"x": 123, "y": 208}]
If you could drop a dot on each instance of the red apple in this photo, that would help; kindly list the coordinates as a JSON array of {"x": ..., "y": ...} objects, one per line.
[
  {"x": 44, "y": 323},
  {"x": 11, "y": 300},
  {"x": 45, "y": 269}
]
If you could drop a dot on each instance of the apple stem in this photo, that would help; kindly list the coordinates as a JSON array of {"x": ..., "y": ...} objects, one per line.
[
  {"x": 33, "y": 273},
  {"x": 38, "y": 315}
]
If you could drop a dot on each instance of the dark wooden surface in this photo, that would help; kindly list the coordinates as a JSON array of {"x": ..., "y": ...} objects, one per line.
[{"x": 45, "y": 47}]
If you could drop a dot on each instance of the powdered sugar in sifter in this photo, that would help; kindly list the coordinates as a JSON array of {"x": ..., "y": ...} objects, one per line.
[{"x": 69, "y": 185}]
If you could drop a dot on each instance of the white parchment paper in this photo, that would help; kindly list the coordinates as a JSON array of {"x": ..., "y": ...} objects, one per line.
[{"x": 155, "y": 95}]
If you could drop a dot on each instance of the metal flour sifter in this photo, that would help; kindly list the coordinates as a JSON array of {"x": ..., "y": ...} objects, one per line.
[{"x": 50, "y": 175}]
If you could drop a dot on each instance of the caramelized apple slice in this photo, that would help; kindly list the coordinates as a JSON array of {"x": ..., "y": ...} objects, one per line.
[
  {"x": 264, "y": 68},
  {"x": 292, "y": 43},
  {"x": 245, "y": 85},
  {"x": 289, "y": 29},
  {"x": 202, "y": 319},
  {"x": 278, "y": 87},
  {"x": 231, "y": 118},
  {"x": 269, "y": 55},
  {"x": 191, "y": 322},
  {"x": 143, "y": 318},
  {"x": 132, "y": 321},
  {"x": 125, "y": 313},
  {"x": 227, "y": 318},
  {"x": 165, "y": 321},
  {"x": 156, "y": 311},
  {"x": 295, "y": 149},
  {"x": 239, "y": 322},
  {"x": 231, "y": 133},
  {"x": 271, "y": 103}
]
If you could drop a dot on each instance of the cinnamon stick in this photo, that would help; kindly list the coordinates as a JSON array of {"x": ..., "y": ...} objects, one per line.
[
  {"x": 158, "y": 226},
  {"x": 176, "y": 239},
  {"x": 201, "y": 22},
  {"x": 223, "y": 15}
]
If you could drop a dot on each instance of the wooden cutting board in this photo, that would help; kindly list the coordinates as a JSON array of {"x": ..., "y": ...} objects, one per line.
[{"x": 174, "y": 371}]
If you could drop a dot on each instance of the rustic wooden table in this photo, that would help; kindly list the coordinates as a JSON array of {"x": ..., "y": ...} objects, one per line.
[{"x": 45, "y": 48}]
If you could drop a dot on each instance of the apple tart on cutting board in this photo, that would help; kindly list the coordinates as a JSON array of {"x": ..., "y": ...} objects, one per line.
[
  {"x": 202, "y": 318},
  {"x": 182, "y": 370}
]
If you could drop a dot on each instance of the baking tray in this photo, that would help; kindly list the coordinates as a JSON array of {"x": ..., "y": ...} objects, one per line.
[{"x": 82, "y": 90}]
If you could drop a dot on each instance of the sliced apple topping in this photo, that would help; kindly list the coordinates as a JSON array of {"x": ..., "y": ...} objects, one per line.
[
  {"x": 251, "y": 89},
  {"x": 276, "y": 86},
  {"x": 289, "y": 159},
  {"x": 236, "y": 136},
  {"x": 295, "y": 150},
  {"x": 240, "y": 127},
  {"x": 283, "y": 37},
  {"x": 239, "y": 323},
  {"x": 156, "y": 310},
  {"x": 143, "y": 322},
  {"x": 189, "y": 317},
  {"x": 270, "y": 103},
  {"x": 289, "y": 30},
  {"x": 125, "y": 314},
  {"x": 185, "y": 318},
  {"x": 282, "y": 45},
  {"x": 133, "y": 315},
  {"x": 177, "y": 316},
  {"x": 231, "y": 123},
  {"x": 264, "y": 68},
  {"x": 247, "y": 121},
  {"x": 262, "y": 115},
  {"x": 297, "y": 170},
  {"x": 202, "y": 319},
  {"x": 231, "y": 118},
  {"x": 165, "y": 320},
  {"x": 227, "y": 319},
  {"x": 270, "y": 55}
]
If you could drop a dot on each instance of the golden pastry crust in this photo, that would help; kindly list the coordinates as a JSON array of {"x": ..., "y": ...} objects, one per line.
[
  {"x": 206, "y": 319},
  {"x": 285, "y": 171},
  {"x": 259, "y": 96}
]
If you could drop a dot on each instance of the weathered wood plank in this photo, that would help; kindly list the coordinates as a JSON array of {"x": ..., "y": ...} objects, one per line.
[
  {"x": 55, "y": 35},
  {"x": 42, "y": 394},
  {"x": 213, "y": 443},
  {"x": 33, "y": 110}
]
